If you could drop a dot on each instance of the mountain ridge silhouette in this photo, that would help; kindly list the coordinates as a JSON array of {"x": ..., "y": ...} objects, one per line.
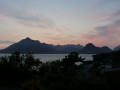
[{"x": 28, "y": 45}]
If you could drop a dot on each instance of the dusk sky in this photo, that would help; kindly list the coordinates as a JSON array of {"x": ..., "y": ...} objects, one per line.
[{"x": 60, "y": 21}]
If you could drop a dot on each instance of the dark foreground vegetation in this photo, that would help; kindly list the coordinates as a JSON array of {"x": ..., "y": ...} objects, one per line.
[{"x": 25, "y": 72}]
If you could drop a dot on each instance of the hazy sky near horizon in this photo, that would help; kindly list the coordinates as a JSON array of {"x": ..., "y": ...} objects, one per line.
[{"x": 60, "y": 21}]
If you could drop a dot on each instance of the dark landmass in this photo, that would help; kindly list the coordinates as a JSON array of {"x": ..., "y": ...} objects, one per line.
[
  {"x": 29, "y": 46},
  {"x": 34, "y": 46},
  {"x": 67, "y": 48},
  {"x": 117, "y": 48},
  {"x": 92, "y": 49},
  {"x": 111, "y": 59},
  {"x": 105, "y": 49}
]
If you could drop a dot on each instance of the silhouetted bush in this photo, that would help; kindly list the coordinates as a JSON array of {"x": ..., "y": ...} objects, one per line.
[
  {"x": 69, "y": 65},
  {"x": 66, "y": 66},
  {"x": 17, "y": 68}
]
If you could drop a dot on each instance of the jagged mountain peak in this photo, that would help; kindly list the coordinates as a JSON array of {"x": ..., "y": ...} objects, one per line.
[
  {"x": 27, "y": 38},
  {"x": 90, "y": 45}
]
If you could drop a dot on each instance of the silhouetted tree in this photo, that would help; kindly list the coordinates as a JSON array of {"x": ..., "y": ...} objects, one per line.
[
  {"x": 66, "y": 66},
  {"x": 17, "y": 67},
  {"x": 69, "y": 63}
]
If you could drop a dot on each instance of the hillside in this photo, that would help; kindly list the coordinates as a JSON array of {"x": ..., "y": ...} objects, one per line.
[
  {"x": 27, "y": 45},
  {"x": 92, "y": 49}
]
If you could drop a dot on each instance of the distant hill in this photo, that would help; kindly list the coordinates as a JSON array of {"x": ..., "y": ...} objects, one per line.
[
  {"x": 92, "y": 49},
  {"x": 67, "y": 48},
  {"x": 27, "y": 45},
  {"x": 105, "y": 49},
  {"x": 117, "y": 48}
]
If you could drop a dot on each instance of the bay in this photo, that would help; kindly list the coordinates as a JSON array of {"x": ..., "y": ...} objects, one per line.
[{"x": 52, "y": 57}]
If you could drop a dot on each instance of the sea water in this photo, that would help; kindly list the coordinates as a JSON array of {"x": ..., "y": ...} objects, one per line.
[{"x": 51, "y": 57}]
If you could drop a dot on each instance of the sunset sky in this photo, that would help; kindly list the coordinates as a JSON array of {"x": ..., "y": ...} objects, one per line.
[{"x": 60, "y": 21}]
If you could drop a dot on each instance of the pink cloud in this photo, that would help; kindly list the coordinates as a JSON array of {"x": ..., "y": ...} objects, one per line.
[
  {"x": 60, "y": 38},
  {"x": 105, "y": 35}
]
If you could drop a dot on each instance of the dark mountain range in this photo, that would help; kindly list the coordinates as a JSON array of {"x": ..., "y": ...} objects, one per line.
[
  {"x": 92, "y": 49},
  {"x": 117, "y": 48},
  {"x": 27, "y": 45},
  {"x": 34, "y": 46},
  {"x": 105, "y": 49},
  {"x": 67, "y": 48}
]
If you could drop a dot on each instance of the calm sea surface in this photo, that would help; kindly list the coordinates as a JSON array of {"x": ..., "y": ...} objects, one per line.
[{"x": 50, "y": 57}]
